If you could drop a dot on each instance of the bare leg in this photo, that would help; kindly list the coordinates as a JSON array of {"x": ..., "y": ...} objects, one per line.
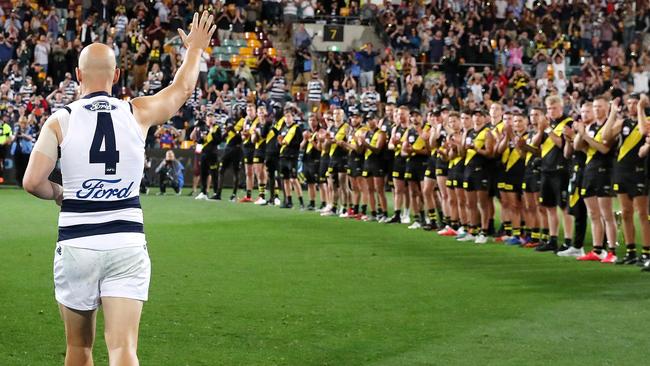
[
  {"x": 122, "y": 319},
  {"x": 607, "y": 213},
  {"x": 641, "y": 207},
  {"x": 79, "y": 334}
]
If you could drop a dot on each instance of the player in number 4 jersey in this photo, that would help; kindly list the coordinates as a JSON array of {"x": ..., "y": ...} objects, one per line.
[{"x": 101, "y": 255}]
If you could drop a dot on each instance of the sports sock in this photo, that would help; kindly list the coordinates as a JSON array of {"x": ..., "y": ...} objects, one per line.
[
  {"x": 262, "y": 190},
  {"x": 490, "y": 228},
  {"x": 439, "y": 215},
  {"x": 553, "y": 240},
  {"x": 516, "y": 232},
  {"x": 398, "y": 213},
  {"x": 248, "y": 193},
  {"x": 535, "y": 235},
  {"x": 446, "y": 221},
  {"x": 630, "y": 248},
  {"x": 364, "y": 209},
  {"x": 356, "y": 209},
  {"x": 422, "y": 217},
  {"x": 567, "y": 242},
  {"x": 372, "y": 213},
  {"x": 312, "y": 203},
  {"x": 645, "y": 250},
  {"x": 507, "y": 227},
  {"x": 380, "y": 212},
  {"x": 454, "y": 224},
  {"x": 431, "y": 213},
  {"x": 598, "y": 250},
  {"x": 301, "y": 201},
  {"x": 289, "y": 200},
  {"x": 544, "y": 236}
]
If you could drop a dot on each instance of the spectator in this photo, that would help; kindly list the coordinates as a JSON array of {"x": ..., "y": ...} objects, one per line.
[
  {"x": 366, "y": 59},
  {"x": 24, "y": 135}
]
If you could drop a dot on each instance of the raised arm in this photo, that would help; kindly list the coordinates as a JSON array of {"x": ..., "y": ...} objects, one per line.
[{"x": 158, "y": 108}]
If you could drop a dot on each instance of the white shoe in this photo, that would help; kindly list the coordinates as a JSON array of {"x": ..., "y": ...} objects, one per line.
[
  {"x": 202, "y": 196},
  {"x": 260, "y": 201},
  {"x": 277, "y": 201},
  {"x": 368, "y": 218},
  {"x": 460, "y": 232},
  {"x": 571, "y": 252},
  {"x": 326, "y": 208},
  {"x": 481, "y": 239},
  {"x": 340, "y": 210},
  {"x": 344, "y": 215},
  {"x": 328, "y": 213},
  {"x": 467, "y": 237},
  {"x": 406, "y": 219},
  {"x": 415, "y": 225}
]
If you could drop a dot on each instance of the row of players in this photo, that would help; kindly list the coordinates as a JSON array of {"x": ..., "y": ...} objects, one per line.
[{"x": 447, "y": 168}]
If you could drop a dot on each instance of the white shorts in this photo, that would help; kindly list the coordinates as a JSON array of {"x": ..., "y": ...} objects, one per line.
[{"x": 83, "y": 276}]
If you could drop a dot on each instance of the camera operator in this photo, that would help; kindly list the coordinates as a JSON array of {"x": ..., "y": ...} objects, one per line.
[{"x": 170, "y": 172}]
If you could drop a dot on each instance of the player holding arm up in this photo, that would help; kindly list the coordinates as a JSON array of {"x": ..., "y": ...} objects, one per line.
[{"x": 102, "y": 140}]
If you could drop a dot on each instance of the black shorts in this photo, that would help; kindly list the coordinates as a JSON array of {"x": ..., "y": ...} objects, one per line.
[
  {"x": 272, "y": 163},
  {"x": 387, "y": 165},
  {"x": 355, "y": 167},
  {"x": 512, "y": 181},
  {"x": 231, "y": 158},
  {"x": 337, "y": 165},
  {"x": 554, "y": 190},
  {"x": 399, "y": 167},
  {"x": 288, "y": 167},
  {"x": 455, "y": 176},
  {"x": 531, "y": 182},
  {"x": 633, "y": 184},
  {"x": 324, "y": 168},
  {"x": 373, "y": 167},
  {"x": 415, "y": 168},
  {"x": 431, "y": 168},
  {"x": 475, "y": 178},
  {"x": 495, "y": 176},
  {"x": 258, "y": 156},
  {"x": 311, "y": 170},
  {"x": 3, "y": 152},
  {"x": 442, "y": 168},
  {"x": 248, "y": 152},
  {"x": 597, "y": 182}
]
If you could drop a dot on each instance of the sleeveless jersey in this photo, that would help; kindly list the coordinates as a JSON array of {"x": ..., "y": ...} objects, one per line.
[{"x": 102, "y": 160}]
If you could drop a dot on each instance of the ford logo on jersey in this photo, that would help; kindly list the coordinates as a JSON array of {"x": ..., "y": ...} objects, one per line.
[
  {"x": 100, "y": 105},
  {"x": 103, "y": 188}
]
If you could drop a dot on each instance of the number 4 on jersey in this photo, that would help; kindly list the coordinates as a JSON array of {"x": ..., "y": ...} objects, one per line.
[{"x": 105, "y": 132}]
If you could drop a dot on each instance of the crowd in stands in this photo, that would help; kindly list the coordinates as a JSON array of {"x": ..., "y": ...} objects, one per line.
[{"x": 457, "y": 83}]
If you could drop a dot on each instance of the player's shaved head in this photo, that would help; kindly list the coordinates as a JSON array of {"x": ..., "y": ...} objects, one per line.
[{"x": 97, "y": 62}]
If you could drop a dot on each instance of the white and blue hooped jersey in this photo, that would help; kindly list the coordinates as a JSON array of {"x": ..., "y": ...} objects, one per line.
[{"x": 102, "y": 160}]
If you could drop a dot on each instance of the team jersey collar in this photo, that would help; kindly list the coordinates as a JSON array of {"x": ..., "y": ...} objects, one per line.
[{"x": 96, "y": 94}]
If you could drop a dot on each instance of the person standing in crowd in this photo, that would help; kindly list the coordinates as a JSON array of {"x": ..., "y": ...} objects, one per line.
[
  {"x": 24, "y": 136},
  {"x": 250, "y": 122},
  {"x": 208, "y": 136},
  {"x": 259, "y": 154},
  {"x": 289, "y": 139},
  {"x": 6, "y": 138},
  {"x": 555, "y": 175}
]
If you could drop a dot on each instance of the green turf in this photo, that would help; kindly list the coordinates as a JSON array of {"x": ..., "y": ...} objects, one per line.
[{"x": 236, "y": 284}]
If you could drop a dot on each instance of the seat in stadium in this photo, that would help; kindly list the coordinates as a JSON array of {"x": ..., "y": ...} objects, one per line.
[
  {"x": 253, "y": 43},
  {"x": 246, "y": 51}
]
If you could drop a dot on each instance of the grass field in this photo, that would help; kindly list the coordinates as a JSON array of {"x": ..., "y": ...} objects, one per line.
[{"x": 242, "y": 285}]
